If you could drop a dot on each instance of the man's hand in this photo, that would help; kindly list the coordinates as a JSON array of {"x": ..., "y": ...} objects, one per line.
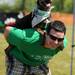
[
  {"x": 7, "y": 30},
  {"x": 10, "y": 21}
]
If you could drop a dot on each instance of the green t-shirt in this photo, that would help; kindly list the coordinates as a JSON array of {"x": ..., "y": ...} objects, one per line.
[{"x": 28, "y": 47}]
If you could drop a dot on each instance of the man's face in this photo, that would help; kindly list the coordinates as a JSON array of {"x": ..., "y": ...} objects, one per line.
[
  {"x": 54, "y": 39},
  {"x": 45, "y": 4}
]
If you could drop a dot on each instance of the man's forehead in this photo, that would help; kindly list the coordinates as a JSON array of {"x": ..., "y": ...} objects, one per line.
[{"x": 54, "y": 31}]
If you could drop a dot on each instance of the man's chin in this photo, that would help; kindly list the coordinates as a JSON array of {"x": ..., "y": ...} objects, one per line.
[{"x": 46, "y": 46}]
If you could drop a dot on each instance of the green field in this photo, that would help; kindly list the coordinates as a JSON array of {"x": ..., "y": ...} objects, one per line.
[{"x": 60, "y": 64}]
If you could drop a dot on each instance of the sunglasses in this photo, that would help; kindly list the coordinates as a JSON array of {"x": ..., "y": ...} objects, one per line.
[{"x": 56, "y": 38}]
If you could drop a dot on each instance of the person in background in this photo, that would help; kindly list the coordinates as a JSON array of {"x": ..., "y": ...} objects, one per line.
[{"x": 32, "y": 50}]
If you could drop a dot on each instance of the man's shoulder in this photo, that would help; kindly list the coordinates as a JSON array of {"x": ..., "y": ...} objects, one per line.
[{"x": 32, "y": 35}]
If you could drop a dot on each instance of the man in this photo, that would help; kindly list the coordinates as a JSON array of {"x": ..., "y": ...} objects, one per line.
[
  {"x": 40, "y": 16},
  {"x": 33, "y": 50}
]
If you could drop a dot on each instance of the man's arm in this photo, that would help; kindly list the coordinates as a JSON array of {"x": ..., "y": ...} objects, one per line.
[
  {"x": 6, "y": 32},
  {"x": 18, "y": 37}
]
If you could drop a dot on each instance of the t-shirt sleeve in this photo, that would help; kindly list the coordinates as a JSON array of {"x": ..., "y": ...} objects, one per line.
[{"x": 18, "y": 37}]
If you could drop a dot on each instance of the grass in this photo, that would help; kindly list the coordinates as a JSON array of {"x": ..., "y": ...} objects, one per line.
[
  {"x": 59, "y": 65},
  {"x": 3, "y": 45}
]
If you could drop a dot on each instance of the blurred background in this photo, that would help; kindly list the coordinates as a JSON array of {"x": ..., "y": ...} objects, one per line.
[
  {"x": 17, "y": 5},
  {"x": 63, "y": 10},
  {"x": 10, "y": 8}
]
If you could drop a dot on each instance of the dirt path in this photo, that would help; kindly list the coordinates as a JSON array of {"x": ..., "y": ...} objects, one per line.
[{"x": 66, "y": 18}]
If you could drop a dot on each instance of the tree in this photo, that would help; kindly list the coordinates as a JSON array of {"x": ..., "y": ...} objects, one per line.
[
  {"x": 68, "y": 6},
  {"x": 22, "y": 6}
]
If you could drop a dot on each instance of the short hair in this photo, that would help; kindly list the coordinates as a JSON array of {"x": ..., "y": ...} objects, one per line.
[{"x": 56, "y": 25}]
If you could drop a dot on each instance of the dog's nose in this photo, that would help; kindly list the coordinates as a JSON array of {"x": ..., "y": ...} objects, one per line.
[{"x": 48, "y": 5}]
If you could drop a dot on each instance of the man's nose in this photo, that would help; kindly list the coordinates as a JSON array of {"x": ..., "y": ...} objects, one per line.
[{"x": 56, "y": 41}]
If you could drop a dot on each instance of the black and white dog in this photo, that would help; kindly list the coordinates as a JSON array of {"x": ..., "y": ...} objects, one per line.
[
  {"x": 44, "y": 4},
  {"x": 40, "y": 14}
]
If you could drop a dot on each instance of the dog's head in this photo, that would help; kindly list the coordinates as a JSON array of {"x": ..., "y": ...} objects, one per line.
[
  {"x": 42, "y": 12},
  {"x": 44, "y": 4}
]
